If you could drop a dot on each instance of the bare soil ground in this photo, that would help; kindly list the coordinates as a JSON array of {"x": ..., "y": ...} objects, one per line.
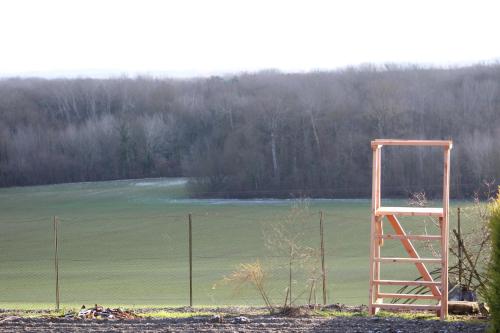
[{"x": 306, "y": 322}]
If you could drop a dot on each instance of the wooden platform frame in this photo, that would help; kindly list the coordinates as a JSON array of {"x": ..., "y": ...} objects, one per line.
[{"x": 438, "y": 289}]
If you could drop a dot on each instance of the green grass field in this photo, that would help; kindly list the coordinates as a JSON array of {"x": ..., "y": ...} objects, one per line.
[{"x": 125, "y": 243}]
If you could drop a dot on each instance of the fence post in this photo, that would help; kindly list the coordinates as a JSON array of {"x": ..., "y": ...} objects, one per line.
[
  {"x": 190, "y": 261},
  {"x": 322, "y": 248},
  {"x": 56, "y": 260},
  {"x": 460, "y": 267},
  {"x": 290, "y": 277}
]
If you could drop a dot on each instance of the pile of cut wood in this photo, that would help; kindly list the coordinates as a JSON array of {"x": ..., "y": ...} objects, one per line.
[{"x": 99, "y": 312}]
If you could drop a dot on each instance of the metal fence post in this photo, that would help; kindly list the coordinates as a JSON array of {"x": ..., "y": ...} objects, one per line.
[
  {"x": 460, "y": 259},
  {"x": 322, "y": 248},
  {"x": 56, "y": 261},
  {"x": 190, "y": 261}
]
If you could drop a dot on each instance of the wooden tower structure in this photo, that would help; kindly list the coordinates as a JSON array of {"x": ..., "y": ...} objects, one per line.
[{"x": 438, "y": 289}]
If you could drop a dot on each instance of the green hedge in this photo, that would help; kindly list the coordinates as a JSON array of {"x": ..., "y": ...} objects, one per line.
[{"x": 493, "y": 292}]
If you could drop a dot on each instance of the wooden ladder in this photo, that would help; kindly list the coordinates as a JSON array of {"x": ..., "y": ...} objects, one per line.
[{"x": 438, "y": 289}]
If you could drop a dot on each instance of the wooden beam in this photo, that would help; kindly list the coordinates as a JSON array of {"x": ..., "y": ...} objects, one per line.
[
  {"x": 444, "y": 223},
  {"x": 372, "y": 292},
  {"x": 412, "y": 252},
  {"x": 408, "y": 260},
  {"x": 378, "y": 221},
  {"x": 428, "y": 143},
  {"x": 376, "y": 254},
  {"x": 378, "y": 196},
  {"x": 407, "y": 306},
  {"x": 410, "y": 296},
  {"x": 407, "y": 283},
  {"x": 410, "y": 211},
  {"x": 411, "y": 237}
]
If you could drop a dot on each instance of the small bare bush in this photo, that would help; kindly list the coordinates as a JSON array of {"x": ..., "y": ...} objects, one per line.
[
  {"x": 254, "y": 274},
  {"x": 476, "y": 242},
  {"x": 287, "y": 241}
]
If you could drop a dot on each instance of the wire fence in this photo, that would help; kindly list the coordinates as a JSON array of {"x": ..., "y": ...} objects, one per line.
[{"x": 143, "y": 260}]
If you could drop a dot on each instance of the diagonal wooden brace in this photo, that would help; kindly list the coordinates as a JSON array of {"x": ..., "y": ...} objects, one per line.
[{"x": 426, "y": 276}]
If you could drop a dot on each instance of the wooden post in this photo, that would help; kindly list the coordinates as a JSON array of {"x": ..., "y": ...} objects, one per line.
[
  {"x": 290, "y": 277},
  {"x": 459, "y": 242},
  {"x": 56, "y": 261},
  {"x": 190, "y": 260},
  {"x": 378, "y": 223},
  {"x": 444, "y": 233},
  {"x": 313, "y": 285},
  {"x": 322, "y": 248},
  {"x": 315, "y": 301},
  {"x": 371, "y": 309},
  {"x": 286, "y": 297},
  {"x": 379, "y": 177}
]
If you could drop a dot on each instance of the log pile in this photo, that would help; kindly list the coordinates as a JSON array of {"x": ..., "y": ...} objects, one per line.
[{"x": 99, "y": 312}]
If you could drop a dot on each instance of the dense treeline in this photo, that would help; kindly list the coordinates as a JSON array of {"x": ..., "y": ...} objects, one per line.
[{"x": 264, "y": 134}]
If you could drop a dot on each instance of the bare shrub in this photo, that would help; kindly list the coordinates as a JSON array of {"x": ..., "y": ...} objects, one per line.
[
  {"x": 286, "y": 240},
  {"x": 254, "y": 274},
  {"x": 476, "y": 242}
]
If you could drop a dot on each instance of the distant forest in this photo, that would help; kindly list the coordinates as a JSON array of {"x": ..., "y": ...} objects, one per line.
[{"x": 266, "y": 134}]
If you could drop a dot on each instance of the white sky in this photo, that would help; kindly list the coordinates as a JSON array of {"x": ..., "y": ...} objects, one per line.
[{"x": 187, "y": 37}]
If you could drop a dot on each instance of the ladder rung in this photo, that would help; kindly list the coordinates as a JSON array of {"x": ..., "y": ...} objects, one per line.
[
  {"x": 409, "y": 260},
  {"x": 406, "y": 306},
  {"x": 406, "y": 283},
  {"x": 415, "y": 237},
  {"x": 410, "y": 211},
  {"x": 412, "y": 296}
]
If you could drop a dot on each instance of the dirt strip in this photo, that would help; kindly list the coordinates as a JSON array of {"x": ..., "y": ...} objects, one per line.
[{"x": 257, "y": 323}]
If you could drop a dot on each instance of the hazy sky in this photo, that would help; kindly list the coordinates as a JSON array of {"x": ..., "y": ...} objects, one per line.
[{"x": 185, "y": 37}]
